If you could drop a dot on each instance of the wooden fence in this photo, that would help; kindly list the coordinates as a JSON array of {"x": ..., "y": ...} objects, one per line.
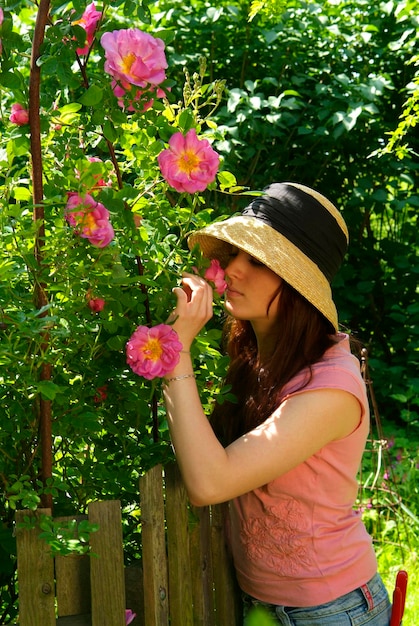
[{"x": 185, "y": 579}]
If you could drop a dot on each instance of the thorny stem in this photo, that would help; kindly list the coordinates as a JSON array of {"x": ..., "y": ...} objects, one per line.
[
  {"x": 82, "y": 68},
  {"x": 183, "y": 230},
  {"x": 111, "y": 149},
  {"x": 115, "y": 163},
  {"x": 41, "y": 298}
]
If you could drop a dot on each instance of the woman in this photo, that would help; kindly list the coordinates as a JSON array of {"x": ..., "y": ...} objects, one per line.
[{"x": 286, "y": 454}]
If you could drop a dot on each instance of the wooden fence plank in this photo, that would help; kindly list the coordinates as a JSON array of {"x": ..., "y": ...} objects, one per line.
[
  {"x": 72, "y": 574},
  {"x": 194, "y": 585},
  {"x": 180, "y": 581},
  {"x": 201, "y": 566},
  {"x": 36, "y": 575},
  {"x": 227, "y": 595},
  {"x": 107, "y": 568},
  {"x": 134, "y": 591},
  {"x": 156, "y": 603},
  {"x": 73, "y": 584}
]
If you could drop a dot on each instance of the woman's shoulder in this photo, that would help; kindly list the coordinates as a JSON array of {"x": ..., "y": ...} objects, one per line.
[
  {"x": 340, "y": 356},
  {"x": 338, "y": 368}
]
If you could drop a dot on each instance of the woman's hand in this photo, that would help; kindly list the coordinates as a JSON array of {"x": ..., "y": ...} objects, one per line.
[{"x": 193, "y": 308}]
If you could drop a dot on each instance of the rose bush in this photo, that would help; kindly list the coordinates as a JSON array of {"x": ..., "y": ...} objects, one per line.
[{"x": 93, "y": 243}]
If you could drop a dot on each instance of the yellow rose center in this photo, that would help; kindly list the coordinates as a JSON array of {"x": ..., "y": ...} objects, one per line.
[
  {"x": 153, "y": 349},
  {"x": 127, "y": 62},
  {"x": 188, "y": 162},
  {"x": 88, "y": 223}
]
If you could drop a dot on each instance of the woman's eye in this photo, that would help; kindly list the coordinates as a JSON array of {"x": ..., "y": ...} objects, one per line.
[{"x": 254, "y": 261}]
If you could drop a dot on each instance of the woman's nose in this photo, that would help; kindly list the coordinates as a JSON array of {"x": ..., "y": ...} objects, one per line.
[{"x": 234, "y": 265}]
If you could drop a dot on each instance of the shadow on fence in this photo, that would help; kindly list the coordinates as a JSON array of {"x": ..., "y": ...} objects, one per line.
[{"x": 186, "y": 578}]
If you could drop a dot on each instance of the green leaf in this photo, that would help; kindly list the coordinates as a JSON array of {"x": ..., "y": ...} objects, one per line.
[
  {"x": 48, "y": 389},
  {"x": 110, "y": 132},
  {"x": 226, "y": 180},
  {"x": 21, "y": 193},
  {"x": 186, "y": 120},
  {"x": 144, "y": 13},
  {"x": 92, "y": 96},
  {"x": 117, "y": 342},
  {"x": 11, "y": 80},
  {"x": 380, "y": 195},
  {"x": 68, "y": 113}
]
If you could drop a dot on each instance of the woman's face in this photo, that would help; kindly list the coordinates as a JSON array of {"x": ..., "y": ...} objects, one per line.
[{"x": 253, "y": 290}]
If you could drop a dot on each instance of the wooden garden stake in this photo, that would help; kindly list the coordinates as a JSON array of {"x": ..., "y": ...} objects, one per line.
[{"x": 41, "y": 298}]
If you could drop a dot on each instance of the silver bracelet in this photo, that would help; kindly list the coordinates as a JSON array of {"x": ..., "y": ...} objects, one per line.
[{"x": 166, "y": 381}]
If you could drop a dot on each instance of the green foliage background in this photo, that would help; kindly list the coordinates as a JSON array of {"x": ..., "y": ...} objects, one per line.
[{"x": 312, "y": 91}]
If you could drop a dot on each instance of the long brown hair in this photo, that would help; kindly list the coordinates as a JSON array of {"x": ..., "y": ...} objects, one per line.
[{"x": 302, "y": 335}]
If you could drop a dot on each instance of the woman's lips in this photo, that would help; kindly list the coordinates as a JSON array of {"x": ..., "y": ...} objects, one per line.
[{"x": 232, "y": 293}]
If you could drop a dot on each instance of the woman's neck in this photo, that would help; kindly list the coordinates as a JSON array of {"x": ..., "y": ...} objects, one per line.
[{"x": 266, "y": 344}]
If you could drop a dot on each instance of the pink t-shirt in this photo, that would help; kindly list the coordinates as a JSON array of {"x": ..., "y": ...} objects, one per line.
[{"x": 297, "y": 541}]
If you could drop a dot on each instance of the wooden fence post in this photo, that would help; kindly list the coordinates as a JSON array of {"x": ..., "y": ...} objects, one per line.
[
  {"x": 180, "y": 577},
  {"x": 107, "y": 568},
  {"x": 156, "y": 611},
  {"x": 72, "y": 573},
  {"x": 36, "y": 574},
  {"x": 227, "y": 603},
  {"x": 201, "y": 564},
  {"x": 192, "y": 584}
]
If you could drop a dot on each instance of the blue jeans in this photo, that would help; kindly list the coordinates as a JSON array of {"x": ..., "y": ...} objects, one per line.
[{"x": 368, "y": 604}]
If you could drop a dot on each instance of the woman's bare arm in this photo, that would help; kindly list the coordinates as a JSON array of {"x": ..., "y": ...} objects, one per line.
[{"x": 301, "y": 426}]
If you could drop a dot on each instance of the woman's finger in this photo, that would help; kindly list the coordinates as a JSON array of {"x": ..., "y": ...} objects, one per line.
[
  {"x": 188, "y": 291},
  {"x": 182, "y": 294}
]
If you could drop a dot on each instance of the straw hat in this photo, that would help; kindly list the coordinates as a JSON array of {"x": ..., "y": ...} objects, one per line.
[{"x": 292, "y": 229}]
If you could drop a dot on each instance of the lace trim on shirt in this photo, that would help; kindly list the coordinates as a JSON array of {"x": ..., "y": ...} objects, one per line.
[{"x": 274, "y": 538}]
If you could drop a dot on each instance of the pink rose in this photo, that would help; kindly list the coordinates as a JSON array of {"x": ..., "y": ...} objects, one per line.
[
  {"x": 19, "y": 115},
  {"x": 96, "y": 304},
  {"x": 188, "y": 164},
  {"x": 88, "y": 21},
  {"x": 152, "y": 352},
  {"x": 129, "y": 616},
  {"x": 134, "y": 57},
  {"x": 215, "y": 274},
  {"x": 89, "y": 218},
  {"x": 101, "y": 394}
]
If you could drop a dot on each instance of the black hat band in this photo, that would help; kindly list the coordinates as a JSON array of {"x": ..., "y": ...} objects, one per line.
[{"x": 305, "y": 222}]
